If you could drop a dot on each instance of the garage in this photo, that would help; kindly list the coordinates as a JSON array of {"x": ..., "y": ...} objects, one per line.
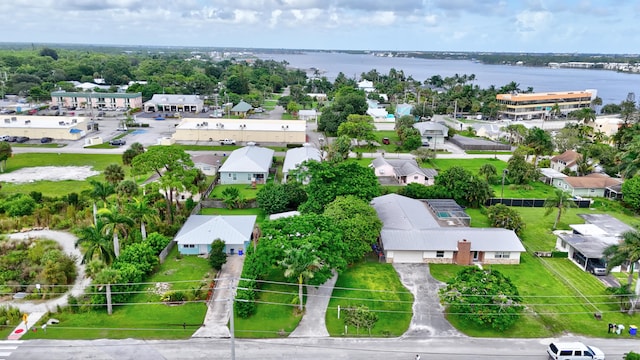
[{"x": 407, "y": 256}]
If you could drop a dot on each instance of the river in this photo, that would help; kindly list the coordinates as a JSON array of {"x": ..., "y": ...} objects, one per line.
[{"x": 612, "y": 86}]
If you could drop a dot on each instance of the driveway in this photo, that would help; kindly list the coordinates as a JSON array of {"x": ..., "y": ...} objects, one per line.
[
  {"x": 313, "y": 323},
  {"x": 219, "y": 308},
  {"x": 428, "y": 314}
]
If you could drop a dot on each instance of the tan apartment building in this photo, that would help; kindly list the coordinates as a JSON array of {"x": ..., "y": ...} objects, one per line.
[
  {"x": 527, "y": 106},
  {"x": 96, "y": 100}
]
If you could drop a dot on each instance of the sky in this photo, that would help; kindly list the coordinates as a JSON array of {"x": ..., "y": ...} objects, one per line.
[{"x": 558, "y": 26}]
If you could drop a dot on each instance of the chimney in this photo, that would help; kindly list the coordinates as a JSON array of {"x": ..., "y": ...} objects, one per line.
[{"x": 464, "y": 253}]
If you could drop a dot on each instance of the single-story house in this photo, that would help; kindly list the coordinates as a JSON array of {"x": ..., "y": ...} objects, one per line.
[
  {"x": 366, "y": 85},
  {"x": 548, "y": 174},
  {"x": 296, "y": 156},
  {"x": 592, "y": 185},
  {"x": 247, "y": 165},
  {"x": 172, "y": 103},
  {"x": 429, "y": 231},
  {"x": 379, "y": 115},
  {"x": 308, "y": 115},
  {"x": 587, "y": 242},
  {"x": 403, "y": 171},
  {"x": 241, "y": 108},
  {"x": 489, "y": 131},
  {"x": 432, "y": 133},
  {"x": 567, "y": 160},
  {"x": 199, "y": 231},
  {"x": 206, "y": 163}
]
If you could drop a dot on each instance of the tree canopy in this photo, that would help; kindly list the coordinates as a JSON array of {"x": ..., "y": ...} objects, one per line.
[{"x": 464, "y": 187}]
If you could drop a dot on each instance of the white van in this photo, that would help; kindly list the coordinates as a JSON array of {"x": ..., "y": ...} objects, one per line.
[{"x": 574, "y": 351}]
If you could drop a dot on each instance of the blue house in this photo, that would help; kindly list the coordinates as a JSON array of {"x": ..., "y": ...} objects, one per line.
[
  {"x": 246, "y": 165},
  {"x": 199, "y": 231}
]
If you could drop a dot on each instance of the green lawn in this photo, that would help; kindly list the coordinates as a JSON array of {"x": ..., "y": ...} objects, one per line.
[
  {"x": 558, "y": 295},
  {"x": 246, "y": 190},
  {"x": 470, "y": 164},
  {"x": 145, "y": 317},
  {"x": 255, "y": 211},
  {"x": 377, "y": 286},
  {"x": 276, "y": 311},
  {"x": 57, "y": 188}
]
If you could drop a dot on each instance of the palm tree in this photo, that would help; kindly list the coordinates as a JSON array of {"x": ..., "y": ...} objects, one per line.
[
  {"x": 114, "y": 173},
  {"x": 101, "y": 191},
  {"x": 559, "y": 200},
  {"x": 115, "y": 224},
  {"x": 487, "y": 170},
  {"x": 585, "y": 114},
  {"x": 628, "y": 250},
  {"x": 300, "y": 263},
  {"x": 555, "y": 110},
  {"x": 540, "y": 142},
  {"x": 98, "y": 245},
  {"x": 141, "y": 212}
]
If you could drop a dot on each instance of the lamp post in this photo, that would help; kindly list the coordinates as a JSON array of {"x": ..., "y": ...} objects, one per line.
[{"x": 504, "y": 173}]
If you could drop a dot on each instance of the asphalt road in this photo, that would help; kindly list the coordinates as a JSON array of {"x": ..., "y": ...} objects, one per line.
[{"x": 300, "y": 348}]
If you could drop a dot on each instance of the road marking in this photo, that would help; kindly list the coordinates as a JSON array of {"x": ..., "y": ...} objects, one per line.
[{"x": 8, "y": 345}]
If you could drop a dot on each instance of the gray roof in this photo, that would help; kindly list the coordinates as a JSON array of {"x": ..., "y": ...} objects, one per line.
[
  {"x": 399, "y": 212},
  {"x": 404, "y": 167},
  {"x": 446, "y": 239},
  {"x": 431, "y": 127},
  {"x": 249, "y": 159},
  {"x": 590, "y": 246},
  {"x": 203, "y": 229},
  {"x": 242, "y": 106},
  {"x": 170, "y": 99},
  {"x": 407, "y": 224},
  {"x": 608, "y": 223},
  {"x": 297, "y": 156}
]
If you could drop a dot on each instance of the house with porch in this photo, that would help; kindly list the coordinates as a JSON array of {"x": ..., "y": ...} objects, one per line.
[
  {"x": 402, "y": 171},
  {"x": 199, "y": 231},
  {"x": 437, "y": 231},
  {"x": 432, "y": 133},
  {"x": 247, "y": 165},
  {"x": 586, "y": 242},
  {"x": 592, "y": 185}
]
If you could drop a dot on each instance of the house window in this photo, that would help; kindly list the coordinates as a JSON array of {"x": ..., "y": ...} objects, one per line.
[
  {"x": 592, "y": 190},
  {"x": 234, "y": 176},
  {"x": 188, "y": 246},
  {"x": 502, "y": 255},
  {"x": 563, "y": 244},
  {"x": 229, "y": 174},
  {"x": 415, "y": 177},
  {"x": 439, "y": 254},
  {"x": 249, "y": 177}
]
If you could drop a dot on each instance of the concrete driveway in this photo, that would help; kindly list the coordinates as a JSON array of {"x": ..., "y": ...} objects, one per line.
[{"x": 428, "y": 315}]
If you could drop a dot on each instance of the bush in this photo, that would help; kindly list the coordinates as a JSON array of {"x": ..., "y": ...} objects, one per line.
[
  {"x": 631, "y": 356},
  {"x": 559, "y": 254},
  {"x": 245, "y": 305},
  {"x": 217, "y": 256}
]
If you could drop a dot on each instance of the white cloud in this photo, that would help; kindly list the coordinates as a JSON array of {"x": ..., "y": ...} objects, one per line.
[{"x": 530, "y": 22}]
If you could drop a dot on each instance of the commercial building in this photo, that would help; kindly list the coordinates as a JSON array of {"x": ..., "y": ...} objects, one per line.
[
  {"x": 96, "y": 100},
  {"x": 35, "y": 127},
  {"x": 241, "y": 130},
  {"x": 527, "y": 106},
  {"x": 172, "y": 103}
]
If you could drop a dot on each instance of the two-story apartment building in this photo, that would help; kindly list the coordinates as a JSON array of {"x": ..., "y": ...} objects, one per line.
[{"x": 96, "y": 100}]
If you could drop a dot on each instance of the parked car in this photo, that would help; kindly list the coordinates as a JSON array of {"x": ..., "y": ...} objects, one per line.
[
  {"x": 227, "y": 142},
  {"x": 573, "y": 351},
  {"x": 12, "y": 139},
  {"x": 45, "y": 140},
  {"x": 386, "y": 141},
  {"x": 117, "y": 142},
  {"x": 22, "y": 139},
  {"x": 596, "y": 267},
  {"x": 5, "y": 138},
  {"x": 32, "y": 111}
]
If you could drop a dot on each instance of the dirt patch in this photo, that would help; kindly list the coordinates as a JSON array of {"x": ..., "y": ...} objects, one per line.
[{"x": 48, "y": 173}]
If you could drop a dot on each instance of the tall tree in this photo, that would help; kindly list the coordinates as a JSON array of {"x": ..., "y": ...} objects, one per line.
[
  {"x": 116, "y": 224},
  {"x": 5, "y": 154},
  {"x": 101, "y": 190},
  {"x": 96, "y": 243},
  {"x": 487, "y": 171},
  {"x": 627, "y": 251},
  {"x": 539, "y": 141},
  {"x": 560, "y": 201},
  {"x": 113, "y": 173},
  {"x": 301, "y": 264}
]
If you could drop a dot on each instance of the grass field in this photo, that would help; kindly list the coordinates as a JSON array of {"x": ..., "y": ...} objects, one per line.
[
  {"x": 57, "y": 188},
  {"x": 275, "y": 313},
  {"x": 377, "y": 286},
  {"x": 246, "y": 190},
  {"x": 145, "y": 317}
]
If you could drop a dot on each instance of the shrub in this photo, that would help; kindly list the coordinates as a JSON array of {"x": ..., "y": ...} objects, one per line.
[{"x": 559, "y": 254}]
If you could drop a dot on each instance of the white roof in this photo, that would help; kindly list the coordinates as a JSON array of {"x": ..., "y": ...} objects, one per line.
[
  {"x": 39, "y": 122},
  {"x": 283, "y": 215},
  {"x": 297, "y": 156},
  {"x": 311, "y": 112},
  {"x": 431, "y": 126},
  {"x": 247, "y": 124},
  {"x": 248, "y": 159},
  {"x": 203, "y": 229},
  {"x": 551, "y": 173},
  {"x": 377, "y": 112},
  {"x": 407, "y": 224},
  {"x": 168, "y": 99}
]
